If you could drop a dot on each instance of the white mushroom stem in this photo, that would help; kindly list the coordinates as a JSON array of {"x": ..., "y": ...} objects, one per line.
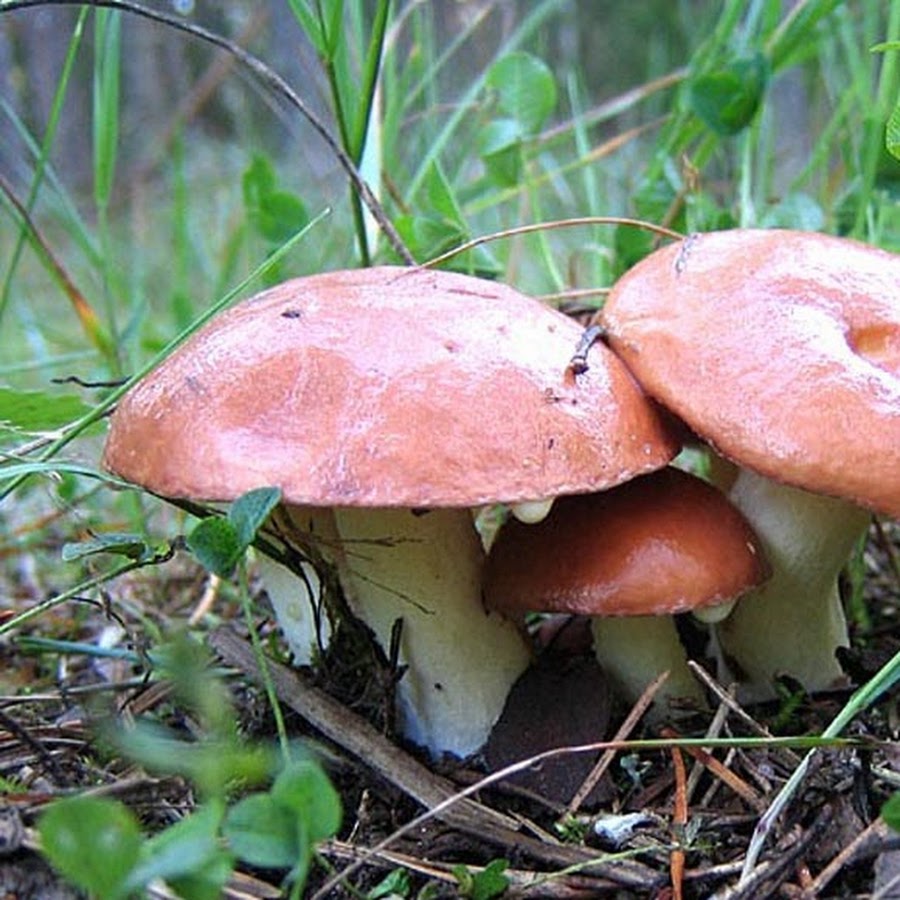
[
  {"x": 633, "y": 650},
  {"x": 297, "y": 602},
  {"x": 794, "y": 623},
  {"x": 712, "y": 615},
  {"x": 425, "y": 569},
  {"x": 296, "y": 597}
]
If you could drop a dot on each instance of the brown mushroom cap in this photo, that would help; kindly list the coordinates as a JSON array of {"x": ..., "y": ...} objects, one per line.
[
  {"x": 386, "y": 387},
  {"x": 781, "y": 348},
  {"x": 663, "y": 543}
]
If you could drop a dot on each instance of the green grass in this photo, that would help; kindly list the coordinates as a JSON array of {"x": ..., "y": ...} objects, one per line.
[{"x": 697, "y": 116}]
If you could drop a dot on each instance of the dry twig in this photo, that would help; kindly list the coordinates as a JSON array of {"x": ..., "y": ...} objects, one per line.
[
  {"x": 455, "y": 808},
  {"x": 631, "y": 720}
]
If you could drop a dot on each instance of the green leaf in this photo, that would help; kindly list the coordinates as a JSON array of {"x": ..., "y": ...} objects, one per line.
[
  {"x": 652, "y": 202},
  {"x": 188, "y": 852},
  {"x": 440, "y": 195},
  {"x": 362, "y": 88},
  {"x": 499, "y": 136},
  {"x": 892, "y": 133},
  {"x": 279, "y": 828},
  {"x": 727, "y": 100},
  {"x": 131, "y": 546},
  {"x": 188, "y": 664},
  {"x": 703, "y": 211},
  {"x": 795, "y": 210},
  {"x": 428, "y": 236},
  {"x": 36, "y": 411},
  {"x": 490, "y": 882},
  {"x": 210, "y": 764},
  {"x": 20, "y": 470},
  {"x": 219, "y": 543},
  {"x": 794, "y": 37},
  {"x": 396, "y": 883},
  {"x": 29, "y": 643},
  {"x": 275, "y": 214},
  {"x": 310, "y": 25},
  {"x": 500, "y": 148},
  {"x": 108, "y": 40},
  {"x": 890, "y": 812},
  {"x": 250, "y": 511},
  {"x": 332, "y": 30},
  {"x": 279, "y": 216},
  {"x": 67, "y": 488},
  {"x": 525, "y": 88},
  {"x": 258, "y": 180},
  {"x": 93, "y": 842},
  {"x": 304, "y": 789},
  {"x": 263, "y": 833},
  {"x": 208, "y": 883},
  {"x": 216, "y": 544}
]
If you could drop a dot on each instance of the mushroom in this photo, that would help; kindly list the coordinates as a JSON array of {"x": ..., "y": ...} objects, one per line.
[
  {"x": 398, "y": 400},
  {"x": 630, "y": 558},
  {"x": 782, "y": 350}
]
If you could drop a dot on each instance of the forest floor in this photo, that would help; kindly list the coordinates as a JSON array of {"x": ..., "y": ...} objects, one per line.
[{"x": 667, "y": 821}]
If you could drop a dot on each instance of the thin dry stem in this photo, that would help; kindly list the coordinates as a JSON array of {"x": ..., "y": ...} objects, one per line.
[
  {"x": 631, "y": 720},
  {"x": 679, "y": 822},
  {"x": 549, "y": 226}
]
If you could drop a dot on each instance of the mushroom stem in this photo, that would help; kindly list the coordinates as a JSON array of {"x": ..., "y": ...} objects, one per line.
[
  {"x": 794, "y": 623},
  {"x": 633, "y": 650},
  {"x": 296, "y": 597},
  {"x": 425, "y": 568},
  {"x": 297, "y": 603}
]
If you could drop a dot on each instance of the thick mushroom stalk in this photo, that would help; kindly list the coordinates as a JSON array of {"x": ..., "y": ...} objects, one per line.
[
  {"x": 793, "y": 623},
  {"x": 297, "y": 596},
  {"x": 781, "y": 349},
  {"x": 634, "y": 651},
  {"x": 424, "y": 568},
  {"x": 296, "y": 599}
]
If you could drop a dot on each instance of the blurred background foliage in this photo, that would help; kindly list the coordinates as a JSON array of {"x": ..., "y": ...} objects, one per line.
[
  {"x": 211, "y": 169},
  {"x": 146, "y": 172}
]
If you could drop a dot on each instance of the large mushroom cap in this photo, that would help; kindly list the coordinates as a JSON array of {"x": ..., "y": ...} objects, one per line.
[
  {"x": 386, "y": 387},
  {"x": 782, "y": 348},
  {"x": 664, "y": 543}
]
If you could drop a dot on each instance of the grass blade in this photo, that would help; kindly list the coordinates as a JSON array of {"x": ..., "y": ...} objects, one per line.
[{"x": 43, "y": 154}]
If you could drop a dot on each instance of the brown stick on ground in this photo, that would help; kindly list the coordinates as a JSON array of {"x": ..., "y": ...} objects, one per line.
[
  {"x": 679, "y": 823},
  {"x": 390, "y": 762}
]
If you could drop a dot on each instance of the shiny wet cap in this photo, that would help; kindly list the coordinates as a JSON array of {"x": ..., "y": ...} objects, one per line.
[
  {"x": 386, "y": 387},
  {"x": 781, "y": 348},
  {"x": 664, "y": 543}
]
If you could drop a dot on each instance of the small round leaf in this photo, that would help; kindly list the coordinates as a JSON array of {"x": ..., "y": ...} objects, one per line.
[{"x": 93, "y": 842}]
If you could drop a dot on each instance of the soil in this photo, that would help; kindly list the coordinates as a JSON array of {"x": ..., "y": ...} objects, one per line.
[{"x": 665, "y": 821}]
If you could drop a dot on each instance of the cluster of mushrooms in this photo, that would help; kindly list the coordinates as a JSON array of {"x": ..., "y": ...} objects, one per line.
[{"x": 390, "y": 405}]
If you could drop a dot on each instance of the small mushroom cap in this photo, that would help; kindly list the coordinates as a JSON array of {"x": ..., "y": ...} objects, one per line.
[
  {"x": 781, "y": 348},
  {"x": 664, "y": 543},
  {"x": 386, "y": 387}
]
